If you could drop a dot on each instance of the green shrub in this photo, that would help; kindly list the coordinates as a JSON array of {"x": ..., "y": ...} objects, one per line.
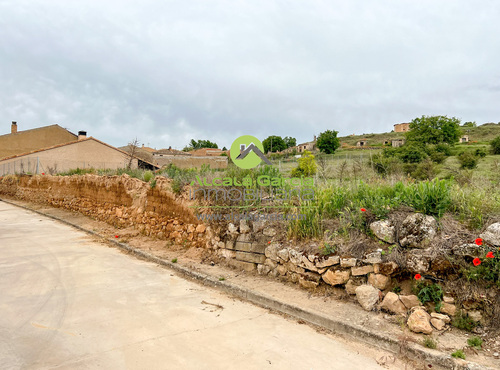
[
  {"x": 429, "y": 343},
  {"x": 463, "y": 322},
  {"x": 438, "y": 157},
  {"x": 307, "y": 166},
  {"x": 425, "y": 170},
  {"x": 468, "y": 160},
  {"x": 411, "y": 154},
  {"x": 475, "y": 342},
  {"x": 429, "y": 292},
  {"x": 488, "y": 269},
  {"x": 458, "y": 354},
  {"x": 147, "y": 176},
  {"x": 480, "y": 152},
  {"x": 495, "y": 145}
]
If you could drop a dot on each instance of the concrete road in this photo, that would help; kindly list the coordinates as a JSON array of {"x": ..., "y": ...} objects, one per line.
[{"x": 68, "y": 302}]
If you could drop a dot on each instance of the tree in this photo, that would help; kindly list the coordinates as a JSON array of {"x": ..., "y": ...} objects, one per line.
[
  {"x": 328, "y": 142},
  {"x": 434, "y": 130},
  {"x": 132, "y": 149},
  {"x": 290, "y": 141},
  {"x": 193, "y": 144},
  {"x": 495, "y": 145},
  {"x": 274, "y": 144},
  {"x": 470, "y": 124}
]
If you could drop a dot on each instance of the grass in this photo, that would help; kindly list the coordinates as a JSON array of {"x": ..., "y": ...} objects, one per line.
[
  {"x": 458, "y": 354},
  {"x": 464, "y": 322},
  {"x": 174, "y": 260},
  {"x": 429, "y": 343},
  {"x": 475, "y": 342}
]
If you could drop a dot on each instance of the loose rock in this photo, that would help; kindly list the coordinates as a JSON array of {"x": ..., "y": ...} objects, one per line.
[
  {"x": 379, "y": 281},
  {"x": 383, "y": 230},
  {"x": 420, "y": 322},
  {"x": 367, "y": 296},
  {"x": 392, "y": 304},
  {"x": 336, "y": 277}
]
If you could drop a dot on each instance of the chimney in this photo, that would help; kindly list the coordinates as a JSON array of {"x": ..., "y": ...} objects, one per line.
[
  {"x": 82, "y": 135},
  {"x": 13, "y": 127},
  {"x": 314, "y": 137},
  {"x": 242, "y": 148}
]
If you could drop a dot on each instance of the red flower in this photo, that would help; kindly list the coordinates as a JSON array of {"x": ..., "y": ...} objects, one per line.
[
  {"x": 418, "y": 277},
  {"x": 269, "y": 242},
  {"x": 116, "y": 236},
  {"x": 43, "y": 173},
  {"x": 476, "y": 261},
  {"x": 363, "y": 210},
  {"x": 479, "y": 241},
  {"x": 490, "y": 255}
]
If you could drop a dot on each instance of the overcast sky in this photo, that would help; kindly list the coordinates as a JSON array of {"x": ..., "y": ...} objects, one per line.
[{"x": 168, "y": 71}]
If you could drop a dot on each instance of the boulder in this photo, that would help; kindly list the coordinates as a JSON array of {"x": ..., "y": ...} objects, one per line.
[
  {"x": 409, "y": 301},
  {"x": 330, "y": 261},
  {"x": 244, "y": 228},
  {"x": 419, "y": 321},
  {"x": 295, "y": 256},
  {"x": 391, "y": 303},
  {"x": 348, "y": 262},
  {"x": 492, "y": 234},
  {"x": 373, "y": 258},
  {"x": 438, "y": 324},
  {"x": 448, "y": 308},
  {"x": 284, "y": 254},
  {"x": 445, "y": 318},
  {"x": 336, "y": 277},
  {"x": 468, "y": 250},
  {"x": 379, "y": 281},
  {"x": 271, "y": 251},
  {"x": 350, "y": 287},
  {"x": 417, "y": 231},
  {"x": 367, "y": 296},
  {"x": 388, "y": 268},
  {"x": 263, "y": 269},
  {"x": 363, "y": 270},
  {"x": 418, "y": 261},
  {"x": 383, "y": 230}
]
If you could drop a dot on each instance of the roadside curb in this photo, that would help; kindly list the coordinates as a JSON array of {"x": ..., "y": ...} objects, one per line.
[{"x": 335, "y": 325}]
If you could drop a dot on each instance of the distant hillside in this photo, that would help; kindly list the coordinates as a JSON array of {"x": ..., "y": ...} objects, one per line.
[{"x": 481, "y": 134}]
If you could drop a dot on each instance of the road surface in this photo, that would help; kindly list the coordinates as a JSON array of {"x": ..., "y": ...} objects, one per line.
[{"x": 70, "y": 302}]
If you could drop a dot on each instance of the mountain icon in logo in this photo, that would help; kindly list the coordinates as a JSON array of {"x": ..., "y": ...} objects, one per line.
[{"x": 247, "y": 152}]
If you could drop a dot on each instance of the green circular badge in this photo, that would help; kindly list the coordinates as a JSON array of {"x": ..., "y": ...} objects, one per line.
[{"x": 247, "y": 152}]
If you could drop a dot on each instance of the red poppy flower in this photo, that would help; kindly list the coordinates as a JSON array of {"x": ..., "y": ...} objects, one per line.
[
  {"x": 363, "y": 210},
  {"x": 478, "y": 241},
  {"x": 476, "y": 261},
  {"x": 43, "y": 173},
  {"x": 269, "y": 242},
  {"x": 490, "y": 255},
  {"x": 418, "y": 277},
  {"x": 116, "y": 236}
]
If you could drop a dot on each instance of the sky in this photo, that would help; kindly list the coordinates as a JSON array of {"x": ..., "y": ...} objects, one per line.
[{"x": 166, "y": 72}]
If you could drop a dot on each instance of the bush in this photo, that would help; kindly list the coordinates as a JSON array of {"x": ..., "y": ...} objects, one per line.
[
  {"x": 458, "y": 354},
  {"x": 411, "y": 153},
  {"x": 475, "y": 342},
  {"x": 495, "y": 145},
  {"x": 480, "y": 152},
  {"x": 147, "y": 176},
  {"x": 468, "y": 160},
  {"x": 425, "y": 170},
  {"x": 429, "y": 343},
  {"x": 463, "y": 322},
  {"x": 488, "y": 269},
  {"x": 307, "y": 166},
  {"x": 438, "y": 157}
]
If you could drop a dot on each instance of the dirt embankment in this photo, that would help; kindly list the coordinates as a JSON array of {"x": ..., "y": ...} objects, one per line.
[{"x": 120, "y": 201}]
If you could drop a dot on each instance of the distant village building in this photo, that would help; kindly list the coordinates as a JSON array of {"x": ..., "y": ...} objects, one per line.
[
  {"x": 19, "y": 142},
  {"x": 398, "y": 142},
  {"x": 362, "y": 142},
  {"x": 464, "y": 139},
  {"x": 401, "y": 127},
  {"x": 83, "y": 153},
  {"x": 310, "y": 146},
  {"x": 207, "y": 152}
]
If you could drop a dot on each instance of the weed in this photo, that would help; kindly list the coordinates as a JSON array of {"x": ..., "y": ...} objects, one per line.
[
  {"x": 222, "y": 278},
  {"x": 328, "y": 249},
  {"x": 475, "y": 342},
  {"x": 396, "y": 289},
  {"x": 147, "y": 176},
  {"x": 463, "y": 322},
  {"x": 429, "y": 343},
  {"x": 153, "y": 183},
  {"x": 429, "y": 292},
  {"x": 174, "y": 260},
  {"x": 458, "y": 354}
]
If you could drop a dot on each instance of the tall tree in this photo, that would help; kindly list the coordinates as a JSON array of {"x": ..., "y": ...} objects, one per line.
[
  {"x": 434, "y": 130},
  {"x": 193, "y": 144},
  {"x": 290, "y": 141},
  {"x": 274, "y": 144},
  {"x": 327, "y": 142}
]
